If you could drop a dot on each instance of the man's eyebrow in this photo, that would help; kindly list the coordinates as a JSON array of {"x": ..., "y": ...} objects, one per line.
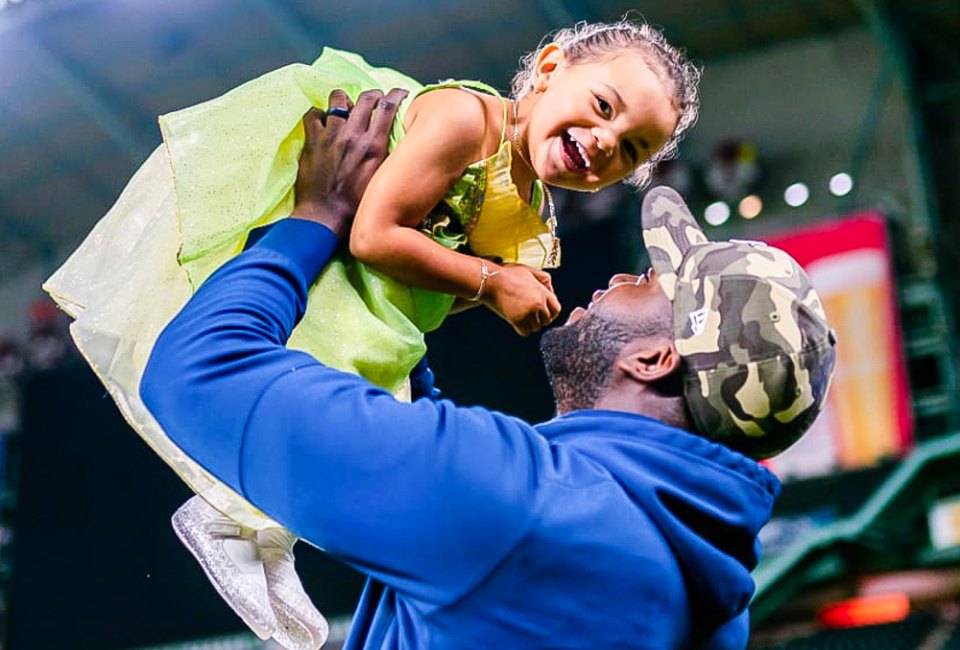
[{"x": 614, "y": 92}]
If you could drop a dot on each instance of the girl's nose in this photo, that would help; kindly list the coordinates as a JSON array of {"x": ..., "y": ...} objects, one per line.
[{"x": 605, "y": 141}]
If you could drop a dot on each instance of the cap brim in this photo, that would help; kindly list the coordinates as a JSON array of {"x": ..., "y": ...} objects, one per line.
[{"x": 669, "y": 232}]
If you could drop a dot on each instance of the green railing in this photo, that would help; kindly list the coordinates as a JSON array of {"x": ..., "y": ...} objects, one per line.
[{"x": 885, "y": 523}]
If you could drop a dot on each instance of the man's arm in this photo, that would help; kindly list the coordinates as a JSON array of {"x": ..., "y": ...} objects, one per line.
[{"x": 424, "y": 496}]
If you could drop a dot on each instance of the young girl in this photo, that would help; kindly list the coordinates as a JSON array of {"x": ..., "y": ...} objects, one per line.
[{"x": 459, "y": 213}]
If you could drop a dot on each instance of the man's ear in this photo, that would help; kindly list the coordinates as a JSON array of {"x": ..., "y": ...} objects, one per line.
[
  {"x": 650, "y": 361},
  {"x": 550, "y": 58}
]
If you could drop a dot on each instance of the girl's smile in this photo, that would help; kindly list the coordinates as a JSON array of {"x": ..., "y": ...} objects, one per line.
[{"x": 591, "y": 123}]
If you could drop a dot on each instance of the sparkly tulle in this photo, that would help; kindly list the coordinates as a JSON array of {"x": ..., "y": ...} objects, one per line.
[
  {"x": 227, "y": 166},
  {"x": 234, "y": 162},
  {"x": 122, "y": 286}
]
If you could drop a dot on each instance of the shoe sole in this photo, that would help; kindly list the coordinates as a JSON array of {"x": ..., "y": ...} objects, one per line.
[{"x": 292, "y": 633}]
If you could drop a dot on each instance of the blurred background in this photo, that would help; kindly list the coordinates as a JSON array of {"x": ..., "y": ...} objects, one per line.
[{"x": 831, "y": 127}]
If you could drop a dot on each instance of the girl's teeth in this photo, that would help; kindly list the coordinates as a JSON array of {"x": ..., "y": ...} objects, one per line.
[{"x": 583, "y": 154}]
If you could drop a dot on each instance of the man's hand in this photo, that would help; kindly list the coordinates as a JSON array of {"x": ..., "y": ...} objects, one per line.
[{"x": 340, "y": 155}]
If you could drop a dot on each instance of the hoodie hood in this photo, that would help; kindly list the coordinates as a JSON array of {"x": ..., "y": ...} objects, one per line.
[{"x": 707, "y": 501}]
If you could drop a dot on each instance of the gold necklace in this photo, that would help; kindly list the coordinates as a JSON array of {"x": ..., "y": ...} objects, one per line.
[{"x": 553, "y": 256}]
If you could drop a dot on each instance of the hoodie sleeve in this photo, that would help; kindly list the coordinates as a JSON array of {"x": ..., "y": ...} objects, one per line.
[
  {"x": 426, "y": 497},
  {"x": 732, "y": 635}
]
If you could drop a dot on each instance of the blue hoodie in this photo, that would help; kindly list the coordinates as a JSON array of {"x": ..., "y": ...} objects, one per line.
[{"x": 597, "y": 529}]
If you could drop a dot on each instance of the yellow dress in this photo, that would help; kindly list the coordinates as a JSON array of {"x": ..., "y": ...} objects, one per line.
[{"x": 229, "y": 165}]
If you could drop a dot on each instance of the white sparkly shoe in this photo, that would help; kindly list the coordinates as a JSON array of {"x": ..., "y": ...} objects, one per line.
[
  {"x": 228, "y": 554},
  {"x": 299, "y": 625}
]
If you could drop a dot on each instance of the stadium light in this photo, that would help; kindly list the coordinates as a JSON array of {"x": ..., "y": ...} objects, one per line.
[
  {"x": 796, "y": 195},
  {"x": 717, "y": 213},
  {"x": 841, "y": 184},
  {"x": 750, "y": 206}
]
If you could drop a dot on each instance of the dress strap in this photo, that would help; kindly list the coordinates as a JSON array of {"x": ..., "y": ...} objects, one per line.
[{"x": 503, "y": 128}]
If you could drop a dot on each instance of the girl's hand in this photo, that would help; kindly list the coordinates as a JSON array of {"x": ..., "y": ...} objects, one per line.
[{"x": 523, "y": 297}]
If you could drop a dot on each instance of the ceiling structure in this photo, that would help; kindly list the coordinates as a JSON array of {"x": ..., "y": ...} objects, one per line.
[{"x": 82, "y": 81}]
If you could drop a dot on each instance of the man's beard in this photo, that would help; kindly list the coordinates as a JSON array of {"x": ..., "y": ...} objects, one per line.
[{"x": 579, "y": 358}]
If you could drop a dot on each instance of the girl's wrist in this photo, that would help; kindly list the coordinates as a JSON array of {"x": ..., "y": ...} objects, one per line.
[{"x": 488, "y": 270}]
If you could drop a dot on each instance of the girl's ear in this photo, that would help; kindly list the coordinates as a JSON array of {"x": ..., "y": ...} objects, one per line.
[{"x": 551, "y": 57}]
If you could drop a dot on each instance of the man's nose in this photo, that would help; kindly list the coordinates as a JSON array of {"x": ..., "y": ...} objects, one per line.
[{"x": 622, "y": 278}]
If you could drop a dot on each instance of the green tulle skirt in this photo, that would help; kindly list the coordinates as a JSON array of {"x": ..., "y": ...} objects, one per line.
[{"x": 227, "y": 166}]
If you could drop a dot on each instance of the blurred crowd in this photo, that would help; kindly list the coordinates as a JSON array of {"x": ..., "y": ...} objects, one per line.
[{"x": 46, "y": 346}]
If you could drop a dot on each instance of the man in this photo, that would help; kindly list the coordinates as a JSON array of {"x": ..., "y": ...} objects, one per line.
[{"x": 628, "y": 521}]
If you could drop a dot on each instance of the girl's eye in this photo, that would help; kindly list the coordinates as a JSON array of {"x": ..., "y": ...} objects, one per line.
[
  {"x": 631, "y": 150},
  {"x": 605, "y": 108}
]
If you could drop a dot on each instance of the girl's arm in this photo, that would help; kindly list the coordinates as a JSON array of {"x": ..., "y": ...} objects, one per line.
[{"x": 447, "y": 130}]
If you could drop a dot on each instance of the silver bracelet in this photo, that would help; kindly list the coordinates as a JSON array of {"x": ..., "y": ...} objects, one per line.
[{"x": 485, "y": 274}]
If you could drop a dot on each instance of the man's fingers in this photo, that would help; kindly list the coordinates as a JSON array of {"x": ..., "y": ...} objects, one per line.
[
  {"x": 338, "y": 110},
  {"x": 313, "y": 115},
  {"x": 360, "y": 116},
  {"x": 339, "y": 99},
  {"x": 382, "y": 122},
  {"x": 313, "y": 123}
]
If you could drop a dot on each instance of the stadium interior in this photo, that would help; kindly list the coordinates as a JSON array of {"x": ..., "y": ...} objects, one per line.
[{"x": 831, "y": 127}]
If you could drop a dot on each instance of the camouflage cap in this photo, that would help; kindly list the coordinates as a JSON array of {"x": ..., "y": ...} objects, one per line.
[{"x": 757, "y": 349}]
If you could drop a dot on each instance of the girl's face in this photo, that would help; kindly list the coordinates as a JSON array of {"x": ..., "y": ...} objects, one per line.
[{"x": 597, "y": 120}]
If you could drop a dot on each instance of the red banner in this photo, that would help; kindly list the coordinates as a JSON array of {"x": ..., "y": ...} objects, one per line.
[{"x": 867, "y": 416}]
